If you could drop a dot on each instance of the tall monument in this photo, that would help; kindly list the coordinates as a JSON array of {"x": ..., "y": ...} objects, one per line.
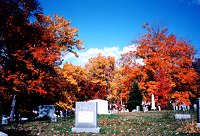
[{"x": 153, "y": 106}]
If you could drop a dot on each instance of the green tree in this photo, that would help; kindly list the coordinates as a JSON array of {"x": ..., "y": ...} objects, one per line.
[{"x": 135, "y": 97}]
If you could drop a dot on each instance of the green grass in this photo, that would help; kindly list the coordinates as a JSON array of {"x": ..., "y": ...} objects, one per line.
[{"x": 126, "y": 124}]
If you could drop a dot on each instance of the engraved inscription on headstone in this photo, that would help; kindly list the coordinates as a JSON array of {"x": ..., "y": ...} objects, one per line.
[{"x": 86, "y": 117}]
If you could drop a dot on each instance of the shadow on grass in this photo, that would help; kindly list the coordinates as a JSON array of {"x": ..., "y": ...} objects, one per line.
[{"x": 14, "y": 132}]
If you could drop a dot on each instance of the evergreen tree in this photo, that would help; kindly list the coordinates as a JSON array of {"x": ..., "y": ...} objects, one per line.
[{"x": 135, "y": 98}]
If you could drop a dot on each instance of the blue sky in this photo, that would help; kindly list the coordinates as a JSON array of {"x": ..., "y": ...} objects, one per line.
[{"x": 109, "y": 26}]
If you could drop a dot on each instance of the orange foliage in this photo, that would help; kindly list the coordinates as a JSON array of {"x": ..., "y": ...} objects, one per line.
[
  {"x": 31, "y": 50},
  {"x": 167, "y": 67},
  {"x": 100, "y": 74}
]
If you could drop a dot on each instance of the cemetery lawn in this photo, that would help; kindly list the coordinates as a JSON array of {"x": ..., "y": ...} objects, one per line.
[{"x": 127, "y": 124}]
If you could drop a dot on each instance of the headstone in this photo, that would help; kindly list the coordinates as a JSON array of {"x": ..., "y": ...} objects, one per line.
[
  {"x": 180, "y": 107},
  {"x": 173, "y": 105},
  {"x": 182, "y": 116},
  {"x": 188, "y": 107},
  {"x": 159, "y": 108},
  {"x": 195, "y": 107},
  {"x": 138, "y": 108},
  {"x": 145, "y": 108},
  {"x": 184, "y": 107},
  {"x": 12, "y": 112},
  {"x": 153, "y": 106},
  {"x": 198, "y": 112},
  {"x": 47, "y": 110},
  {"x": 102, "y": 106},
  {"x": 86, "y": 118},
  {"x": 3, "y": 134},
  {"x": 4, "y": 120}
]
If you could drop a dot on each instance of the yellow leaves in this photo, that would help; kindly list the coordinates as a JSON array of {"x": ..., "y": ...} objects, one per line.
[
  {"x": 182, "y": 97},
  {"x": 71, "y": 80},
  {"x": 63, "y": 34},
  {"x": 172, "y": 84},
  {"x": 66, "y": 101}
]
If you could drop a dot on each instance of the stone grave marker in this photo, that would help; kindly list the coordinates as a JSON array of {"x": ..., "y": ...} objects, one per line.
[
  {"x": 180, "y": 107},
  {"x": 198, "y": 112},
  {"x": 102, "y": 106},
  {"x": 182, "y": 116},
  {"x": 138, "y": 108},
  {"x": 176, "y": 107},
  {"x": 195, "y": 107},
  {"x": 47, "y": 110},
  {"x": 3, "y": 134},
  {"x": 153, "y": 105},
  {"x": 4, "y": 120},
  {"x": 159, "y": 108},
  {"x": 185, "y": 114},
  {"x": 86, "y": 118},
  {"x": 188, "y": 107},
  {"x": 13, "y": 106}
]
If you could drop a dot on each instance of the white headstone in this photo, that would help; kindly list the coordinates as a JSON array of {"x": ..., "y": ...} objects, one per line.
[
  {"x": 195, "y": 107},
  {"x": 188, "y": 107},
  {"x": 3, "y": 134},
  {"x": 138, "y": 108},
  {"x": 153, "y": 106},
  {"x": 159, "y": 108},
  {"x": 102, "y": 106},
  {"x": 4, "y": 120},
  {"x": 86, "y": 118},
  {"x": 182, "y": 116}
]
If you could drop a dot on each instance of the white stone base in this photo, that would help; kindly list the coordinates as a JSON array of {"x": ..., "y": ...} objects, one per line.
[
  {"x": 182, "y": 116},
  {"x": 198, "y": 125},
  {"x": 153, "y": 108},
  {"x": 86, "y": 130}
]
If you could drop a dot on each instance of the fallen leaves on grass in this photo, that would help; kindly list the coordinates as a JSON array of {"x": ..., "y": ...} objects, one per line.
[{"x": 190, "y": 128}]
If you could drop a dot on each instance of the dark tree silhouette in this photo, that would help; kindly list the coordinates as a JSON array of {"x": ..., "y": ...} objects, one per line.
[{"x": 135, "y": 98}]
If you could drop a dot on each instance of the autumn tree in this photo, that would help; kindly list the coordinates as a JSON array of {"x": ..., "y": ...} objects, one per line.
[
  {"x": 100, "y": 74},
  {"x": 116, "y": 94},
  {"x": 167, "y": 71},
  {"x": 30, "y": 49},
  {"x": 129, "y": 68},
  {"x": 76, "y": 88}
]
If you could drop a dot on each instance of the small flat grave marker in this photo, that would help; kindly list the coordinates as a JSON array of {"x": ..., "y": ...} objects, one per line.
[{"x": 86, "y": 118}]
